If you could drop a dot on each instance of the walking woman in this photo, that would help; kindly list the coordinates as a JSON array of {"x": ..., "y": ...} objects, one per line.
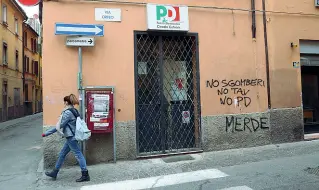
[{"x": 68, "y": 126}]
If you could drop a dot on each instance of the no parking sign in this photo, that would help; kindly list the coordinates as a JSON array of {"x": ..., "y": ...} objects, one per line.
[{"x": 186, "y": 116}]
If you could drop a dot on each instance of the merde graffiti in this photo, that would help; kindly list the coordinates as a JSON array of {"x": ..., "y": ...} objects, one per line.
[
  {"x": 234, "y": 124},
  {"x": 235, "y": 87}
]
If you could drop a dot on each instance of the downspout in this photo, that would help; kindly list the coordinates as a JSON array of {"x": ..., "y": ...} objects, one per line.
[
  {"x": 253, "y": 18},
  {"x": 40, "y": 12},
  {"x": 23, "y": 62},
  {"x": 266, "y": 52}
]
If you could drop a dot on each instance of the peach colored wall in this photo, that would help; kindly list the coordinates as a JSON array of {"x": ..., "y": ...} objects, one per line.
[
  {"x": 226, "y": 50},
  {"x": 284, "y": 29}
]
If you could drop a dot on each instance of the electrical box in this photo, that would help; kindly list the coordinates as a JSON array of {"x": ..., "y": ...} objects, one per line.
[{"x": 99, "y": 113}]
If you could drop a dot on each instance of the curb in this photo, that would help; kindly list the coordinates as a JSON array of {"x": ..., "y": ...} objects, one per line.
[{"x": 15, "y": 122}]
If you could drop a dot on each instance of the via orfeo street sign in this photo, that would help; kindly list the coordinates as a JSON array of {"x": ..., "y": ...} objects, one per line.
[
  {"x": 79, "y": 41},
  {"x": 79, "y": 29},
  {"x": 108, "y": 15}
]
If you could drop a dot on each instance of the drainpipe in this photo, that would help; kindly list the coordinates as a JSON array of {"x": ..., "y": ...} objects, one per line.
[
  {"x": 266, "y": 52},
  {"x": 23, "y": 61},
  {"x": 253, "y": 18}
]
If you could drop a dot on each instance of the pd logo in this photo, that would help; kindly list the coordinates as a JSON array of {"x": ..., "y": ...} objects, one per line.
[{"x": 167, "y": 13}]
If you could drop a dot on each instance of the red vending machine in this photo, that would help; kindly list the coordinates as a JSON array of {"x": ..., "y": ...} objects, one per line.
[{"x": 99, "y": 112}]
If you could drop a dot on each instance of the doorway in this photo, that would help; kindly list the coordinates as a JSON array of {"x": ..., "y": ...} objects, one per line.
[
  {"x": 167, "y": 93},
  {"x": 16, "y": 95},
  {"x": 5, "y": 100},
  {"x": 310, "y": 92},
  {"x": 36, "y": 101}
]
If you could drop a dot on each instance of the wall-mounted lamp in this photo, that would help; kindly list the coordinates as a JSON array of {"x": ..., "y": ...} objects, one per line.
[{"x": 293, "y": 45}]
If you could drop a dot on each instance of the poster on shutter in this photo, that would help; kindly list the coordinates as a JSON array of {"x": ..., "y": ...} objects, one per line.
[
  {"x": 186, "y": 117},
  {"x": 176, "y": 74}
]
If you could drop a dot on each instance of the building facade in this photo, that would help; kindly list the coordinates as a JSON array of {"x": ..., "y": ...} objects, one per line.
[
  {"x": 200, "y": 77},
  {"x": 32, "y": 71},
  {"x": 11, "y": 70},
  {"x": 35, "y": 24}
]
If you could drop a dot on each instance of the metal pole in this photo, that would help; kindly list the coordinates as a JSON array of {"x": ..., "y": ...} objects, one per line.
[
  {"x": 81, "y": 94},
  {"x": 84, "y": 118},
  {"x": 114, "y": 128}
]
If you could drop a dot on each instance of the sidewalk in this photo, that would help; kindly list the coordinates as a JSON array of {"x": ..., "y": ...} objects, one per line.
[
  {"x": 128, "y": 170},
  {"x": 16, "y": 122}
]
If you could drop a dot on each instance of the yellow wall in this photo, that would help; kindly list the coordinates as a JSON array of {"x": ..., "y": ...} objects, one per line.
[
  {"x": 14, "y": 42},
  {"x": 31, "y": 78}
]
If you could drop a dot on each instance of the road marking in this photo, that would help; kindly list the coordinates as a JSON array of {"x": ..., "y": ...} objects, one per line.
[
  {"x": 40, "y": 166},
  {"x": 157, "y": 161},
  {"x": 34, "y": 147},
  {"x": 311, "y": 136},
  {"x": 238, "y": 188},
  {"x": 159, "y": 181}
]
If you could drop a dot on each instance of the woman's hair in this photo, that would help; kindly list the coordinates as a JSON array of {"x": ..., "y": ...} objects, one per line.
[{"x": 71, "y": 100}]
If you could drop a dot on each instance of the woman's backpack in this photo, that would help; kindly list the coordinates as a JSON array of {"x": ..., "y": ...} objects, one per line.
[{"x": 82, "y": 133}]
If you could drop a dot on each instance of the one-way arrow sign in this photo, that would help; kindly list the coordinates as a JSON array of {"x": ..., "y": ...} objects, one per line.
[
  {"x": 79, "y": 41},
  {"x": 79, "y": 29}
]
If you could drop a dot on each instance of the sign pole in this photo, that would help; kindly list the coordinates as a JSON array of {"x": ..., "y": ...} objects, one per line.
[
  {"x": 80, "y": 35},
  {"x": 81, "y": 94}
]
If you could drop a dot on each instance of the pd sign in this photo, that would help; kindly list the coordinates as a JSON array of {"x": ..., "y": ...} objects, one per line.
[
  {"x": 167, "y": 13},
  {"x": 167, "y": 17}
]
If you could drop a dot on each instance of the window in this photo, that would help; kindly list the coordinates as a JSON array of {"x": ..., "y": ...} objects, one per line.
[
  {"x": 26, "y": 92},
  {"x": 35, "y": 45},
  {"x": 16, "y": 26},
  {"x": 17, "y": 60},
  {"x": 16, "y": 95},
  {"x": 4, "y": 14},
  {"x": 25, "y": 34},
  {"x": 24, "y": 63},
  {"x": 5, "y": 53},
  {"x": 32, "y": 67},
  {"x": 36, "y": 68},
  {"x": 28, "y": 64},
  {"x": 32, "y": 44}
]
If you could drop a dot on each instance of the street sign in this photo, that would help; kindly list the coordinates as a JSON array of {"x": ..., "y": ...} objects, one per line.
[
  {"x": 108, "y": 15},
  {"x": 79, "y": 29},
  {"x": 79, "y": 41}
]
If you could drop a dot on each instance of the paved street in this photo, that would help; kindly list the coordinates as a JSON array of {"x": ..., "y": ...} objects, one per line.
[
  {"x": 279, "y": 174},
  {"x": 279, "y": 167},
  {"x": 20, "y": 153}
]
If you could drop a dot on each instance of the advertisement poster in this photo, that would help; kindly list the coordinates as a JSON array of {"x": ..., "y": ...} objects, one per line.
[{"x": 100, "y": 108}]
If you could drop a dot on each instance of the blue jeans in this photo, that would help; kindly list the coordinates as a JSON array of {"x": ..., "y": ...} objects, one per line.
[{"x": 71, "y": 145}]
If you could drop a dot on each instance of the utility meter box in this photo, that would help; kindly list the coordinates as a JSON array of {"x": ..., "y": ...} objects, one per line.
[{"x": 99, "y": 111}]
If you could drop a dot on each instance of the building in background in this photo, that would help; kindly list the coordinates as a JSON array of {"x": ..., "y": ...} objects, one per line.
[
  {"x": 35, "y": 24},
  {"x": 11, "y": 69},
  {"x": 32, "y": 67}
]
